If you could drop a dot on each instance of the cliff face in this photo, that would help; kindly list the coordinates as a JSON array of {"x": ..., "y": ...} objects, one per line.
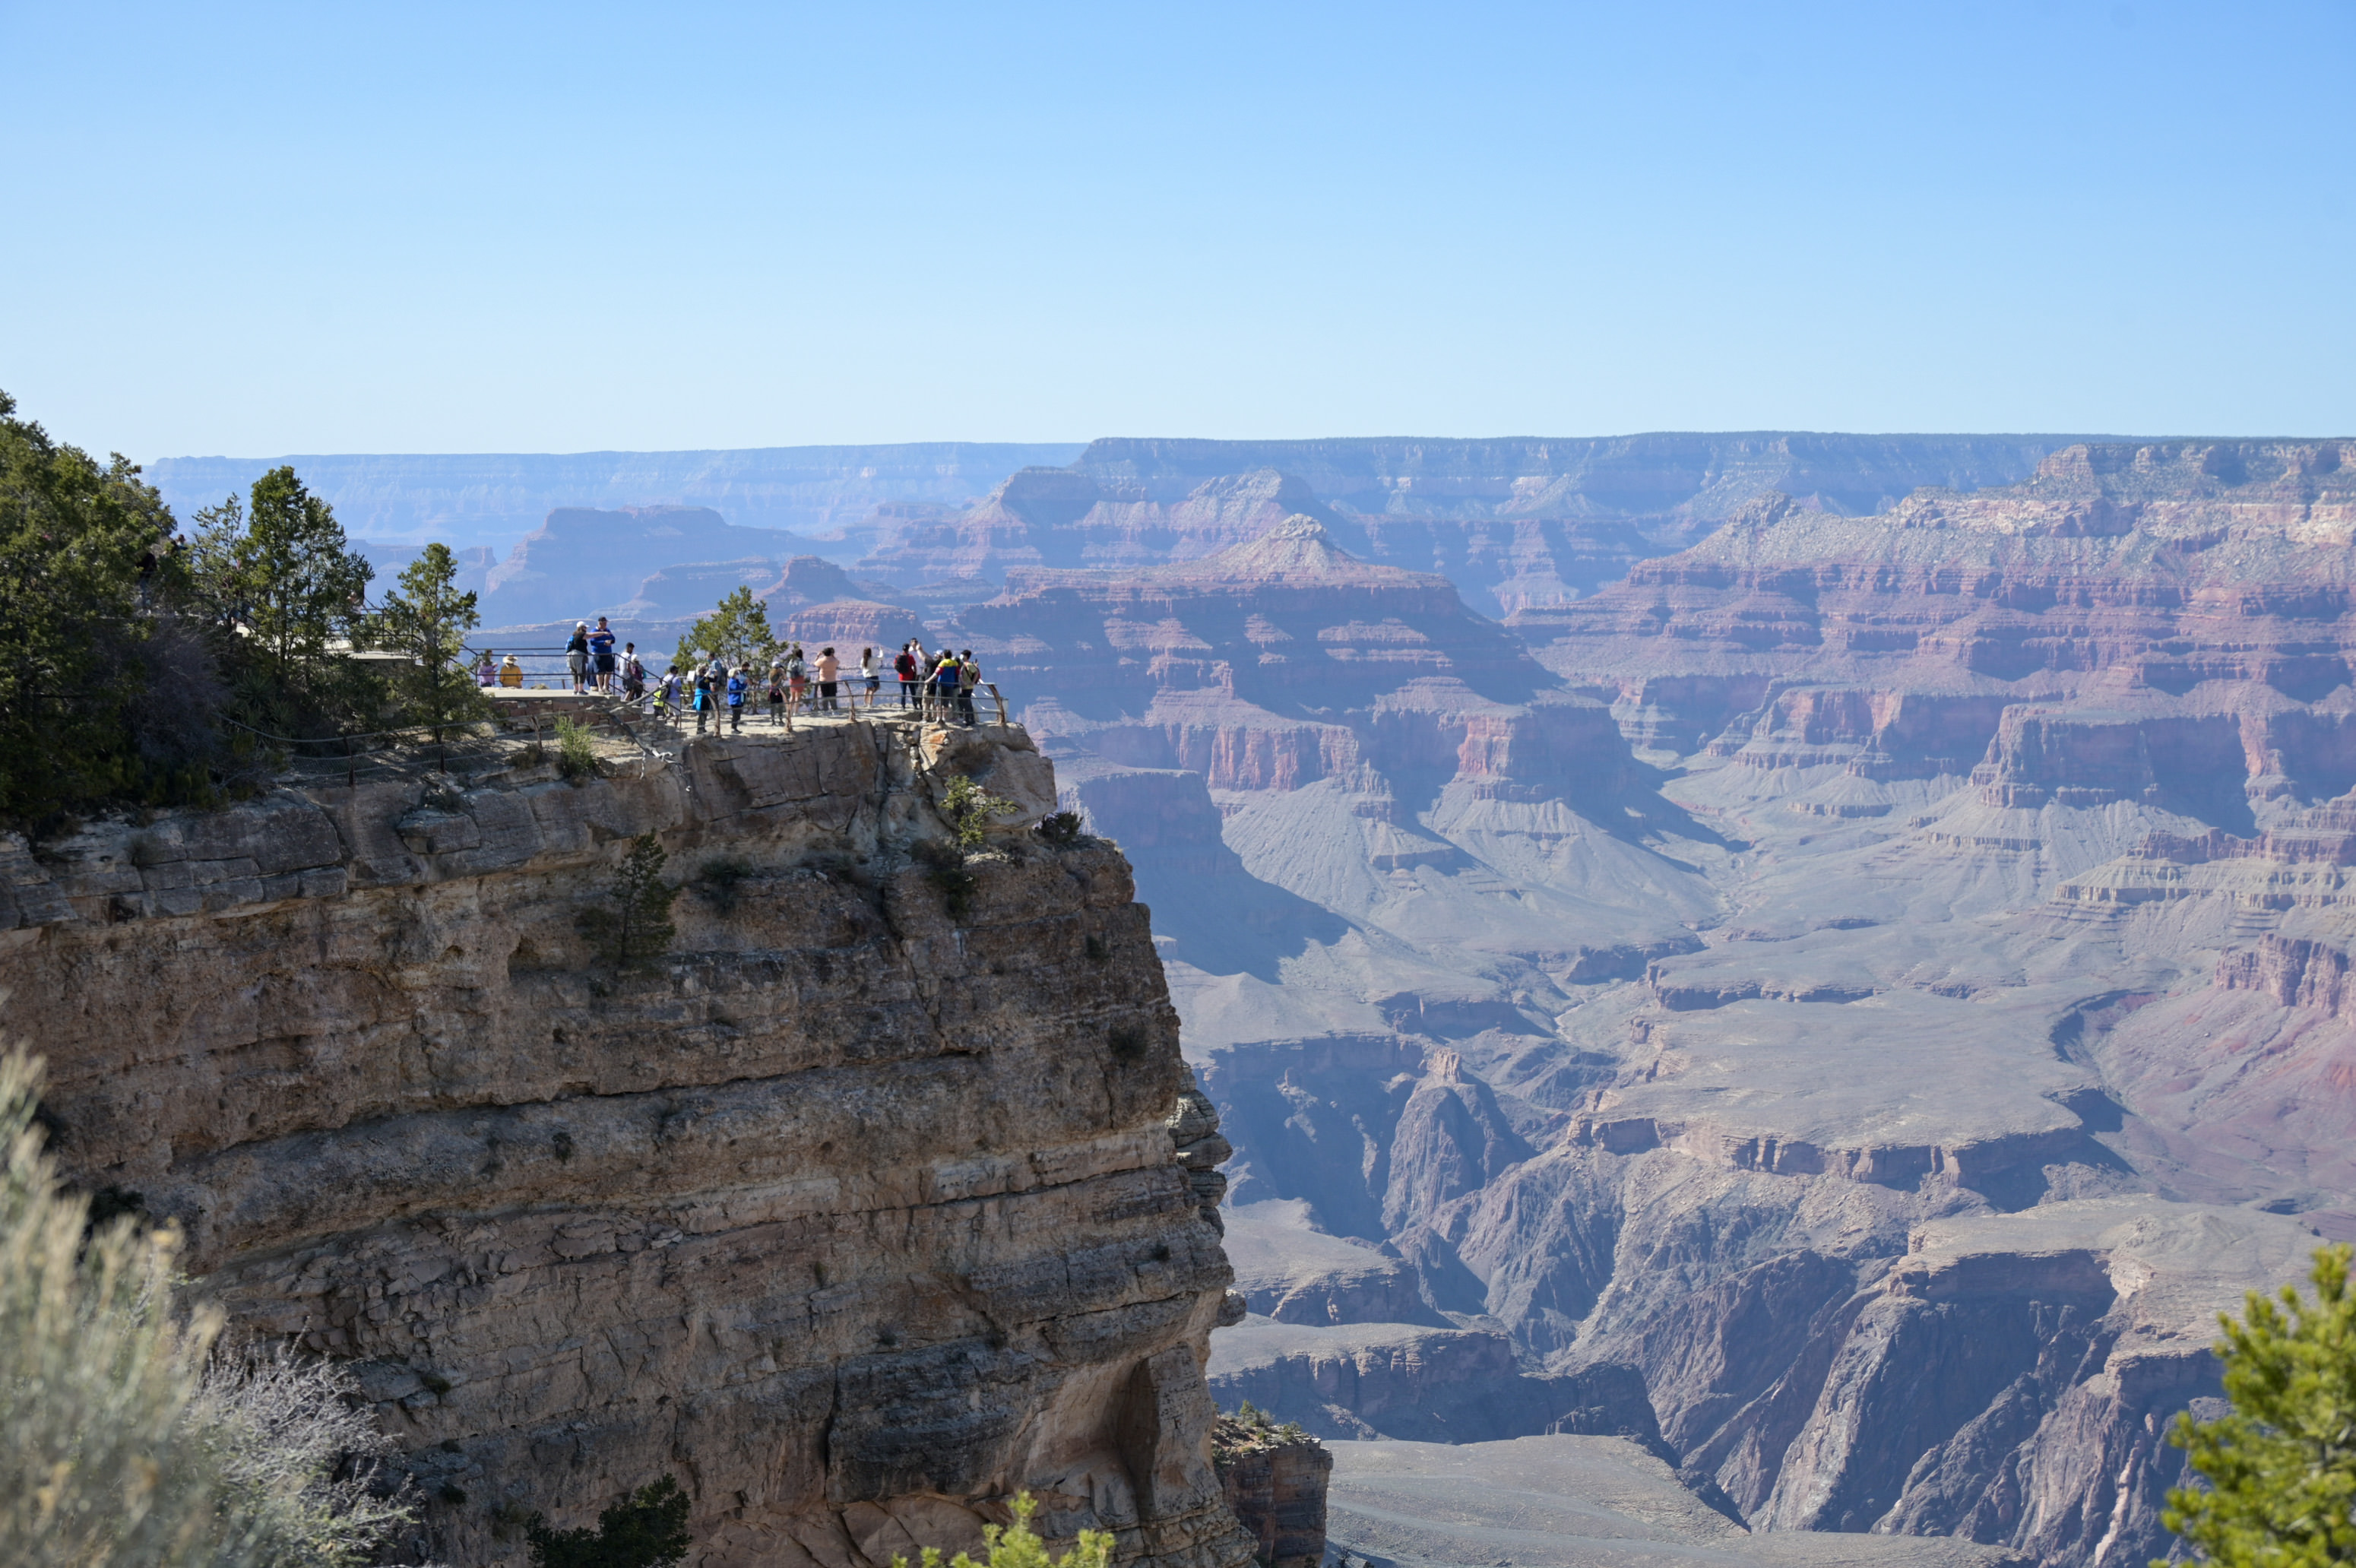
[{"x": 853, "y": 1213}]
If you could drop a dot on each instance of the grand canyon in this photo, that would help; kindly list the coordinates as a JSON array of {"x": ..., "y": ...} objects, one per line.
[{"x": 1771, "y": 983}]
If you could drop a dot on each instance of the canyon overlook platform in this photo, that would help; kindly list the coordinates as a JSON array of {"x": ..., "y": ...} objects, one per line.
[{"x": 857, "y": 1209}]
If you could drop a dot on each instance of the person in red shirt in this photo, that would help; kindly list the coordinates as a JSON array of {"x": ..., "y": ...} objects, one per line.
[{"x": 904, "y": 667}]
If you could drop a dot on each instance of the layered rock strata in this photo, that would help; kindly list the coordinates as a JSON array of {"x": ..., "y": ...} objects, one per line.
[
  {"x": 1512, "y": 523},
  {"x": 854, "y": 1213}
]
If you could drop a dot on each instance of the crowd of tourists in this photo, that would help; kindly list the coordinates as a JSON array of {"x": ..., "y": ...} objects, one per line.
[{"x": 935, "y": 685}]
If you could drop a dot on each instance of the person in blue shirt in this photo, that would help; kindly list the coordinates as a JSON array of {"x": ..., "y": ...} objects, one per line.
[
  {"x": 601, "y": 655},
  {"x": 737, "y": 686},
  {"x": 945, "y": 687}
]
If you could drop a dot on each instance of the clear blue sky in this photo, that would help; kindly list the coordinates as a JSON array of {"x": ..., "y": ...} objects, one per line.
[{"x": 254, "y": 230}]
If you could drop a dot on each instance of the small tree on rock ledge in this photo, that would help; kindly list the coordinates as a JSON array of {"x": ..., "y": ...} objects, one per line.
[{"x": 632, "y": 926}]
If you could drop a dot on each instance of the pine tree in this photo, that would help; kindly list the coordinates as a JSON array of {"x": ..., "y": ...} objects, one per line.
[
  {"x": 737, "y": 632},
  {"x": 83, "y": 551},
  {"x": 283, "y": 574},
  {"x": 2281, "y": 1466},
  {"x": 428, "y": 620},
  {"x": 632, "y": 926}
]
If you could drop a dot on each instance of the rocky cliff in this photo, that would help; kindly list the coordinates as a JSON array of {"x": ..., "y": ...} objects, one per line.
[
  {"x": 1275, "y": 1481},
  {"x": 857, "y": 1209}
]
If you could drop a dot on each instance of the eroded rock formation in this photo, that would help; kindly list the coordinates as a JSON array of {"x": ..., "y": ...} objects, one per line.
[
  {"x": 854, "y": 1214},
  {"x": 1275, "y": 1482}
]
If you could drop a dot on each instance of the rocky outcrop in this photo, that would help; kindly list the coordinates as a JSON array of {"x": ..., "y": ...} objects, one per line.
[
  {"x": 581, "y": 560},
  {"x": 856, "y": 1209},
  {"x": 2296, "y": 973},
  {"x": 1275, "y": 1480}
]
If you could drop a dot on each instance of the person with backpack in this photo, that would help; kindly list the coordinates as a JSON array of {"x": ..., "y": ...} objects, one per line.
[
  {"x": 904, "y": 667},
  {"x": 968, "y": 677},
  {"x": 634, "y": 672},
  {"x": 703, "y": 698},
  {"x": 797, "y": 677},
  {"x": 776, "y": 693}
]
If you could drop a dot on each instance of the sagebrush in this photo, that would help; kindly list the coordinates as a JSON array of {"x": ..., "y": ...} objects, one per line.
[{"x": 127, "y": 1438}]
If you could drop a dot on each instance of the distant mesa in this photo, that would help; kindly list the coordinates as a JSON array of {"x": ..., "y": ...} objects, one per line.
[
  {"x": 851, "y": 625},
  {"x": 582, "y": 561}
]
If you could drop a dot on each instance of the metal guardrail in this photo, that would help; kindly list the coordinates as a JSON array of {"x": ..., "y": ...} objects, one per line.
[
  {"x": 488, "y": 744},
  {"x": 854, "y": 705},
  {"x": 540, "y": 668}
]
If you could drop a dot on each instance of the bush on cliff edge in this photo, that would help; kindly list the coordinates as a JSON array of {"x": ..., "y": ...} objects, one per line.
[{"x": 2281, "y": 1466}]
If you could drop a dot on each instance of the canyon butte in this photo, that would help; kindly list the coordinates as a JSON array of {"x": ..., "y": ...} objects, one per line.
[{"x": 1764, "y": 987}]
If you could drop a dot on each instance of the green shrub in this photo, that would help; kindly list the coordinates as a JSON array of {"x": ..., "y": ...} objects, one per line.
[
  {"x": 969, "y": 807},
  {"x": 576, "y": 757},
  {"x": 647, "y": 1529},
  {"x": 1020, "y": 1546},
  {"x": 1061, "y": 829}
]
